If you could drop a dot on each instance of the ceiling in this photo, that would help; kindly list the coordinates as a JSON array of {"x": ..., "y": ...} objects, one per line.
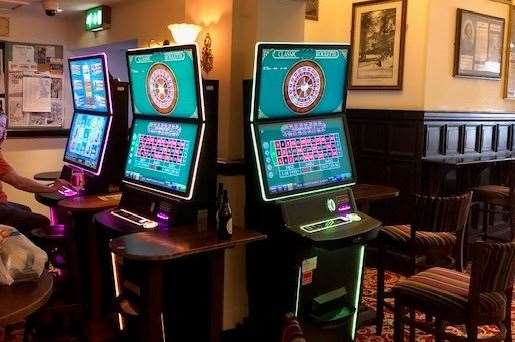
[{"x": 69, "y": 7}]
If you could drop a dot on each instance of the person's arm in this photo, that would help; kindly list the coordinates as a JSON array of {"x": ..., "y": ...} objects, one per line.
[{"x": 22, "y": 183}]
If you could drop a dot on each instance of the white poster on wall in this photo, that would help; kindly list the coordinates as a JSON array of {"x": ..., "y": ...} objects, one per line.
[
  {"x": 16, "y": 116},
  {"x": 23, "y": 54},
  {"x": 37, "y": 94}
]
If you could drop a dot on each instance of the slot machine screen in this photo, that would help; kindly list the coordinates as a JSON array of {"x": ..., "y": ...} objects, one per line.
[
  {"x": 298, "y": 80},
  {"x": 303, "y": 156},
  {"x": 165, "y": 81},
  {"x": 86, "y": 144},
  {"x": 163, "y": 156},
  {"x": 90, "y": 86}
]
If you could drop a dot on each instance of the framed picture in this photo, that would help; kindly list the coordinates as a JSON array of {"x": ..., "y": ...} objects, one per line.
[
  {"x": 509, "y": 78},
  {"x": 312, "y": 10},
  {"x": 478, "y": 45},
  {"x": 507, "y": 2},
  {"x": 378, "y": 35}
]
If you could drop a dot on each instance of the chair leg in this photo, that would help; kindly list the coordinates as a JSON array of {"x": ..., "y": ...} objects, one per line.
[
  {"x": 412, "y": 330},
  {"x": 471, "y": 332},
  {"x": 507, "y": 319},
  {"x": 398, "y": 323},
  {"x": 439, "y": 330},
  {"x": 380, "y": 295}
]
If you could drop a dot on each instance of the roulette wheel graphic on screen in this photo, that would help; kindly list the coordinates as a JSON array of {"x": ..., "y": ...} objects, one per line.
[
  {"x": 162, "y": 88},
  {"x": 304, "y": 86}
]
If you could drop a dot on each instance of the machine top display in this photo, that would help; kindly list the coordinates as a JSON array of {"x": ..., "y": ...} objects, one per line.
[
  {"x": 89, "y": 77},
  {"x": 299, "y": 79},
  {"x": 166, "y": 82}
]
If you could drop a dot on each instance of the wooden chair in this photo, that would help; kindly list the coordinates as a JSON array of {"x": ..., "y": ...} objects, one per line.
[
  {"x": 291, "y": 331},
  {"x": 437, "y": 230},
  {"x": 494, "y": 200},
  {"x": 453, "y": 298}
]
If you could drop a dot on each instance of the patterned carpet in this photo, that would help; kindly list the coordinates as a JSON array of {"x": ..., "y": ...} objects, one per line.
[{"x": 368, "y": 334}]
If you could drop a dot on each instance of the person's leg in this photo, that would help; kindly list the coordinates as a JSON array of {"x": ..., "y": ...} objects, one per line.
[
  {"x": 17, "y": 216},
  {"x": 20, "y": 206}
]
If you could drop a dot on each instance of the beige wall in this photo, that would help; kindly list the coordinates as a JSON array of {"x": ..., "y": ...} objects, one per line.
[
  {"x": 442, "y": 90},
  {"x": 334, "y": 25},
  {"x": 30, "y": 156},
  {"x": 130, "y": 20},
  {"x": 429, "y": 55}
]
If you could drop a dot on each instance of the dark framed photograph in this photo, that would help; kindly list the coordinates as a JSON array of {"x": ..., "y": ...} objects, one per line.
[
  {"x": 312, "y": 10},
  {"x": 378, "y": 36},
  {"x": 509, "y": 75},
  {"x": 478, "y": 45}
]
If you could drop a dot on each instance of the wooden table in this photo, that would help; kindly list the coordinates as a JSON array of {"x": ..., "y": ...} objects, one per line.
[
  {"x": 158, "y": 247},
  {"x": 21, "y": 300},
  {"x": 88, "y": 252},
  {"x": 47, "y": 176},
  {"x": 91, "y": 203},
  {"x": 373, "y": 192},
  {"x": 467, "y": 168},
  {"x": 364, "y": 194}
]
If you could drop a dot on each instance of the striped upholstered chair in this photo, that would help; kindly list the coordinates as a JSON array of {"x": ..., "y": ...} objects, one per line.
[
  {"x": 434, "y": 237},
  {"x": 455, "y": 298}
]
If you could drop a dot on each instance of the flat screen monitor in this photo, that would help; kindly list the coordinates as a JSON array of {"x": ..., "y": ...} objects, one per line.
[
  {"x": 298, "y": 157},
  {"x": 163, "y": 156},
  {"x": 87, "y": 141},
  {"x": 90, "y": 83},
  {"x": 298, "y": 80},
  {"x": 166, "y": 82}
]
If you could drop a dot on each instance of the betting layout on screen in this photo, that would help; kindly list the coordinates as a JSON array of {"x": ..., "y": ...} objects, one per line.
[
  {"x": 89, "y": 84},
  {"x": 303, "y": 155},
  {"x": 164, "y": 82},
  {"x": 161, "y": 154},
  {"x": 85, "y": 146},
  {"x": 297, "y": 80}
]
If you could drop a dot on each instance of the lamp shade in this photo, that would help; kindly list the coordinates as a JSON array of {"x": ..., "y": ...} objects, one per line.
[{"x": 184, "y": 33}]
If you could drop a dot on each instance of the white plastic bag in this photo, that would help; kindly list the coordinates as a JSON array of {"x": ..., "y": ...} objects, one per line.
[{"x": 20, "y": 259}]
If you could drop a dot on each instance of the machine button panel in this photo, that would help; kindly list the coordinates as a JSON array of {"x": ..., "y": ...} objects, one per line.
[{"x": 334, "y": 222}]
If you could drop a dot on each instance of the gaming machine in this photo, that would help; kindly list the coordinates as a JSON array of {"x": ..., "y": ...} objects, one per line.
[
  {"x": 168, "y": 178},
  {"x": 98, "y": 131},
  {"x": 167, "y": 138},
  {"x": 299, "y": 194}
]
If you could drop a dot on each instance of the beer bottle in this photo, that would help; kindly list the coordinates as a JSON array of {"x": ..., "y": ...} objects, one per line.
[{"x": 225, "y": 219}]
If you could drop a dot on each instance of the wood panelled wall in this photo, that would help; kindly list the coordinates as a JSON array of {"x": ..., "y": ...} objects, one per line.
[{"x": 390, "y": 146}]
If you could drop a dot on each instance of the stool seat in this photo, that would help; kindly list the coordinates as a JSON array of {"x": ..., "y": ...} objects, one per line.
[
  {"x": 447, "y": 291},
  {"x": 53, "y": 232},
  {"x": 495, "y": 194}
]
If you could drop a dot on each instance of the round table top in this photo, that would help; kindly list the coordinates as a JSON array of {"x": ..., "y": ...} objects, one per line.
[
  {"x": 20, "y": 300},
  {"x": 90, "y": 203},
  {"x": 47, "y": 176},
  {"x": 373, "y": 192}
]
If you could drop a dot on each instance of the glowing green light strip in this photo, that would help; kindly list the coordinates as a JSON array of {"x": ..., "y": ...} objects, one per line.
[{"x": 358, "y": 291}]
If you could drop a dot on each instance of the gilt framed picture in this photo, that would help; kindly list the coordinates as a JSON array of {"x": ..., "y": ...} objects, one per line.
[
  {"x": 312, "y": 10},
  {"x": 378, "y": 35},
  {"x": 509, "y": 75},
  {"x": 478, "y": 45}
]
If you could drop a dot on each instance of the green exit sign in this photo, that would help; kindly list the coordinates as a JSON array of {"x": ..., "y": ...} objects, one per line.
[{"x": 98, "y": 18}]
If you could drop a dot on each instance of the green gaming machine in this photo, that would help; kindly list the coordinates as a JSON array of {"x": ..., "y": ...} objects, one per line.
[{"x": 299, "y": 194}]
